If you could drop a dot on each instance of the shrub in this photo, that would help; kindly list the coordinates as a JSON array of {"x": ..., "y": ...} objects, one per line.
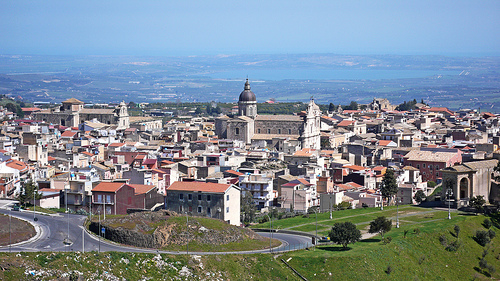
[
  {"x": 483, "y": 263},
  {"x": 492, "y": 233},
  {"x": 405, "y": 232},
  {"x": 491, "y": 269},
  {"x": 485, "y": 252},
  {"x": 457, "y": 229},
  {"x": 416, "y": 231},
  {"x": 453, "y": 246},
  {"x": 306, "y": 216},
  {"x": 421, "y": 259},
  {"x": 389, "y": 269},
  {"x": 442, "y": 240},
  {"x": 487, "y": 223},
  {"x": 386, "y": 240},
  {"x": 482, "y": 237}
]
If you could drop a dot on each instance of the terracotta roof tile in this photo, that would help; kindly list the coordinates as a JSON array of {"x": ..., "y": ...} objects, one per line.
[
  {"x": 199, "y": 186},
  {"x": 108, "y": 186}
]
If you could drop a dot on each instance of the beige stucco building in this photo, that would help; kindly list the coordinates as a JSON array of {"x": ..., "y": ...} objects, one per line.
[
  {"x": 248, "y": 126},
  {"x": 72, "y": 113}
]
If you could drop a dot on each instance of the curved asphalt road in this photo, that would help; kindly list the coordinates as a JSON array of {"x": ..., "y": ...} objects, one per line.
[{"x": 52, "y": 235}]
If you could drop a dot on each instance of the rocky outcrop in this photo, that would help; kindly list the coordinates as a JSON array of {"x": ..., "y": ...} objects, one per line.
[{"x": 160, "y": 229}]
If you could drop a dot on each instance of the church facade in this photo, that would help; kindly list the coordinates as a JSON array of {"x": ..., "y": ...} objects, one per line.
[
  {"x": 72, "y": 113},
  {"x": 249, "y": 127}
]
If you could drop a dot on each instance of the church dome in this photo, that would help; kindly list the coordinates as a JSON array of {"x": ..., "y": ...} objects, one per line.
[{"x": 247, "y": 95}]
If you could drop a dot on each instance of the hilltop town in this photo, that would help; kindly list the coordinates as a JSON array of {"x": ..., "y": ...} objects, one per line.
[{"x": 103, "y": 160}]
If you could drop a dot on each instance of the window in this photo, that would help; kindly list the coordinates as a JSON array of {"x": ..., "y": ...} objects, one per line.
[
  {"x": 181, "y": 196},
  {"x": 279, "y": 131},
  {"x": 199, "y": 209},
  {"x": 208, "y": 211},
  {"x": 423, "y": 165},
  {"x": 209, "y": 197},
  {"x": 227, "y": 209},
  {"x": 227, "y": 197},
  {"x": 437, "y": 174},
  {"x": 418, "y": 166},
  {"x": 180, "y": 209},
  {"x": 199, "y": 197},
  {"x": 430, "y": 167},
  {"x": 108, "y": 198},
  {"x": 237, "y": 131},
  {"x": 268, "y": 131},
  {"x": 289, "y": 131},
  {"x": 99, "y": 198},
  {"x": 258, "y": 131},
  {"x": 190, "y": 196}
]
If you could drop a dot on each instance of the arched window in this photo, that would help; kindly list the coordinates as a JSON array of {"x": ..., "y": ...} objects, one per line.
[{"x": 237, "y": 131}]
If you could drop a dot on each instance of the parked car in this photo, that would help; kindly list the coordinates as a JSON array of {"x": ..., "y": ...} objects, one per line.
[
  {"x": 16, "y": 207},
  {"x": 324, "y": 239}
]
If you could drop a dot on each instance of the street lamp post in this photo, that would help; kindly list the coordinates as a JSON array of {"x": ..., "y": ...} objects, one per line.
[
  {"x": 34, "y": 204},
  {"x": 316, "y": 237},
  {"x": 10, "y": 238},
  {"x": 99, "y": 230},
  {"x": 330, "y": 205},
  {"x": 397, "y": 212},
  {"x": 270, "y": 233},
  {"x": 187, "y": 233},
  {"x": 449, "y": 193}
]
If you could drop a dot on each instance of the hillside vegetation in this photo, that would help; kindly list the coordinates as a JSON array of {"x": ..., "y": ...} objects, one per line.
[{"x": 422, "y": 255}]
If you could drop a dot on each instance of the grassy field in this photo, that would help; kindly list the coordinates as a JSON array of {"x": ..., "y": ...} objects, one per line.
[{"x": 419, "y": 256}]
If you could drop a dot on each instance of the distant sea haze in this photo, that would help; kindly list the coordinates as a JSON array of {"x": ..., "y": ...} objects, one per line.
[{"x": 327, "y": 74}]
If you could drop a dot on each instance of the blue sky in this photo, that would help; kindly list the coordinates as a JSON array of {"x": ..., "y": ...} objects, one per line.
[{"x": 184, "y": 27}]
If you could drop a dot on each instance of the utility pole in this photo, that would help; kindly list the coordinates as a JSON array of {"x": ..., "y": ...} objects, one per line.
[
  {"x": 99, "y": 230},
  {"x": 10, "y": 222},
  {"x": 187, "y": 233},
  {"x": 83, "y": 240}
]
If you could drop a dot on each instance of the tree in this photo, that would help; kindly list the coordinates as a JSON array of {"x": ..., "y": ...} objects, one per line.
[
  {"x": 248, "y": 208},
  {"x": 389, "y": 185},
  {"x": 198, "y": 111},
  {"x": 344, "y": 205},
  {"x": 27, "y": 191},
  {"x": 331, "y": 107},
  {"x": 482, "y": 237},
  {"x": 132, "y": 104},
  {"x": 419, "y": 196},
  {"x": 344, "y": 233},
  {"x": 352, "y": 106},
  {"x": 497, "y": 170},
  {"x": 15, "y": 108},
  {"x": 380, "y": 225},
  {"x": 477, "y": 203}
]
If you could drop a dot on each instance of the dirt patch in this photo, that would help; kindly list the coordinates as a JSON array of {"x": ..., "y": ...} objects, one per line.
[{"x": 19, "y": 230}]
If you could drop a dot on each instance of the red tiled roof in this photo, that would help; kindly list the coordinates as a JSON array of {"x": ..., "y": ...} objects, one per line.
[
  {"x": 297, "y": 182},
  {"x": 68, "y": 134},
  {"x": 167, "y": 162},
  {"x": 149, "y": 161},
  {"x": 50, "y": 158},
  {"x": 199, "y": 186},
  {"x": 87, "y": 153},
  {"x": 142, "y": 188},
  {"x": 116, "y": 144},
  {"x": 355, "y": 167},
  {"x": 28, "y": 109},
  {"x": 345, "y": 123},
  {"x": 18, "y": 165},
  {"x": 234, "y": 172},
  {"x": 108, "y": 186},
  {"x": 384, "y": 142}
]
